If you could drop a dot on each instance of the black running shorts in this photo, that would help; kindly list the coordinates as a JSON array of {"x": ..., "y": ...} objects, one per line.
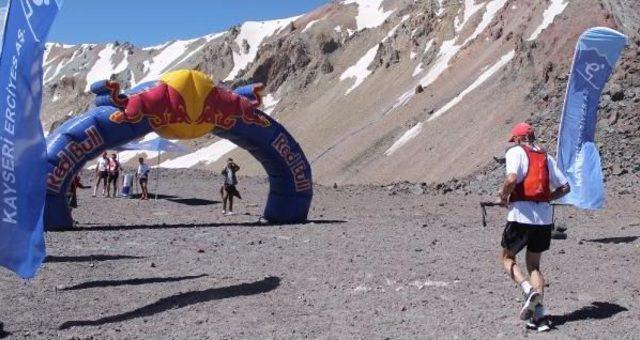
[
  {"x": 537, "y": 238},
  {"x": 102, "y": 174},
  {"x": 113, "y": 178}
]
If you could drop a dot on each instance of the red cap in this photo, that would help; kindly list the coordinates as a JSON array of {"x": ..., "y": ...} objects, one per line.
[{"x": 521, "y": 129}]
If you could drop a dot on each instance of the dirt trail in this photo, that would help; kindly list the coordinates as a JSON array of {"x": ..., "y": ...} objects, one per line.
[{"x": 376, "y": 262}]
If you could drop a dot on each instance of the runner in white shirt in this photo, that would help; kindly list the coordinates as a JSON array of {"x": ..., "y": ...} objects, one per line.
[
  {"x": 142, "y": 175},
  {"x": 101, "y": 174},
  {"x": 532, "y": 181}
]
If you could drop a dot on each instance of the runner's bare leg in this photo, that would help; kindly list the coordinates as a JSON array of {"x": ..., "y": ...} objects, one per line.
[
  {"x": 511, "y": 266},
  {"x": 533, "y": 266}
]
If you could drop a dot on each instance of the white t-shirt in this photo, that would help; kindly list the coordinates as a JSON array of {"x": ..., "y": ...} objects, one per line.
[
  {"x": 143, "y": 170},
  {"x": 537, "y": 213},
  {"x": 102, "y": 164}
]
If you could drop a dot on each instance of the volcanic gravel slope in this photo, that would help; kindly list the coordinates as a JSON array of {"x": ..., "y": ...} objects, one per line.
[{"x": 374, "y": 263}]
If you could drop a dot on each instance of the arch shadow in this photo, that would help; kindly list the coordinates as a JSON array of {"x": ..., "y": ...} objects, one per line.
[
  {"x": 131, "y": 282},
  {"x": 88, "y": 258},
  {"x": 183, "y": 300},
  {"x": 162, "y": 226}
]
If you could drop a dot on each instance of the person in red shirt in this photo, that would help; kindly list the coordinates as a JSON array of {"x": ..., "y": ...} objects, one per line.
[{"x": 113, "y": 170}]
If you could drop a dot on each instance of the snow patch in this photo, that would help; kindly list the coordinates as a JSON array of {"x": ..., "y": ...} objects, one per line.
[
  {"x": 440, "y": 10},
  {"x": 128, "y": 155},
  {"x": 405, "y": 138},
  {"x": 61, "y": 65},
  {"x": 370, "y": 13},
  {"x": 449, "y": 48},
  {"x": 254, "y": 33},
  {"x": 207, "y": 155},
  {"x": 470, "y": 8},
  {"x": 159, "y": 64},
  {"x": 418, "y": 70},
  {"x": 555, "y": 8},
  {"x": 269, "y": 103},
  {"x": 360, "y": 71},
  {"x": 207, "y": 38},
  {"x": 491, "y": 9},
  {"x": 309, "y": 25},
  {"x": 428, "y": 47},
  {"x": 103, "y": 67},
  {"x": 479, "y": 81},
  {"x": 415, "y": 131}
]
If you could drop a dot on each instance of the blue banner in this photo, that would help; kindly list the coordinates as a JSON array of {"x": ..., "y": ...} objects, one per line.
[
  {"x": 596, "y": 54},
  {"x": 24, "y": 28}
]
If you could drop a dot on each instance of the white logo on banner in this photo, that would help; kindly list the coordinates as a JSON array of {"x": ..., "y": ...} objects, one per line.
[{"x": 27, "y": 7}]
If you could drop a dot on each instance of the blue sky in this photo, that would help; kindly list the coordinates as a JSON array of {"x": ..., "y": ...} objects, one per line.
[{"x": 149, "y": 22}]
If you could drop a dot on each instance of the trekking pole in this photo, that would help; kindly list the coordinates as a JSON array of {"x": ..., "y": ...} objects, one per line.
[{"x": 483, "y": 208}]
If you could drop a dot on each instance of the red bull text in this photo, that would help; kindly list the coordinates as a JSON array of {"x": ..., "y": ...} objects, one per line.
[
  {"x": 294, "y": 161},
  {"x": 69, "y": 157}
]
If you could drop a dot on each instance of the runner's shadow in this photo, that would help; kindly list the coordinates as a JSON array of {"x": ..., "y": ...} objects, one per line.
[
  {"x": 615, "y": 240},
  {"x": 130, "y": 282},
  {"x": 596, "y": 311},
  {"x": 193, "y": 201},
  {"x": 183, "y": 300},
  {"x": 87, "y": 258},
  {"x": 3, "y": 333}
]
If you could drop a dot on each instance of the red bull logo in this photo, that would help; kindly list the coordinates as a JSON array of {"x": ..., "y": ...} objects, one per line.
[{"x": 185, "y": 104}]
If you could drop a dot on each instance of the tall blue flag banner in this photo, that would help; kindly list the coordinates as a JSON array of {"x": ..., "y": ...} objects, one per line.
[
  {"x": 24, "y": 25},
  {"x": 596, "y": 54}
]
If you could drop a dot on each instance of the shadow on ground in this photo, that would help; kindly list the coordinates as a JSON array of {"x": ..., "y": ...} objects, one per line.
[
  {"x": 183, "y": 300},
  {"x": 131, "y": 282},
  {"x": 596, "y": 311},
  {"x": 189, "y": 225},
  {"x": 193, "y": 201},
  {"x": 152, "y": 196},
  {"x": 3, "y": 334},
  {"x": 88, "y": 258},
  {"x": 615, "y": 240}
]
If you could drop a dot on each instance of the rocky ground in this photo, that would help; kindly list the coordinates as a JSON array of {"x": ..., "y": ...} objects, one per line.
[{"x": 401, "y": 261}]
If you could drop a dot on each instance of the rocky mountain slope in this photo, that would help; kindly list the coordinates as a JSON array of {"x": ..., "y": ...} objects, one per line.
[{"x": 378, "y": 91}]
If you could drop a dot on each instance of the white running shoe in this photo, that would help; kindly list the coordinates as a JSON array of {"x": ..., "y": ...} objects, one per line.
[
  {"x": 230, "y": 213},
  {"x": 539, "y": 325},
  {"x": 530, "y": 303},
  {"x": 224, "y": 212}
]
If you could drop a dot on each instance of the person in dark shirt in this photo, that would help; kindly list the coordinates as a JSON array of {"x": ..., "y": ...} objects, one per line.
[{"x": 228, "y": 189}]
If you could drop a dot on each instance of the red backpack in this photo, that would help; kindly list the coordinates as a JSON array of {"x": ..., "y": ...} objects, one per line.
[{"x": 535, "y": 185}]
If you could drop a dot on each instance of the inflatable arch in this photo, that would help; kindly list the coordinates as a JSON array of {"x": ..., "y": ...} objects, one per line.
[{"x": 183, "y": 104}]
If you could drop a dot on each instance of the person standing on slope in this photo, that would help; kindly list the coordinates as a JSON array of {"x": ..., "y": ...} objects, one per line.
[
  {"x": 113, "y": 169},
  {"x": 533, "y": 180},
  {"x": 142, "y": 175},
  {"x": 101, "y": 174},
  {"x": 228, "y": 189}
]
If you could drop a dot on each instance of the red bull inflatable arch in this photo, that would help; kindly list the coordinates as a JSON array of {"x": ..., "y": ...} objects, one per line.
[{"x": 184, "y": 104}]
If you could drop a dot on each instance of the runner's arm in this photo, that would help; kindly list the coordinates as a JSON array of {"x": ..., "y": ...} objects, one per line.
[
  {"x": 507, "y": 188},
  {"x": 559, "y": 192}
]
